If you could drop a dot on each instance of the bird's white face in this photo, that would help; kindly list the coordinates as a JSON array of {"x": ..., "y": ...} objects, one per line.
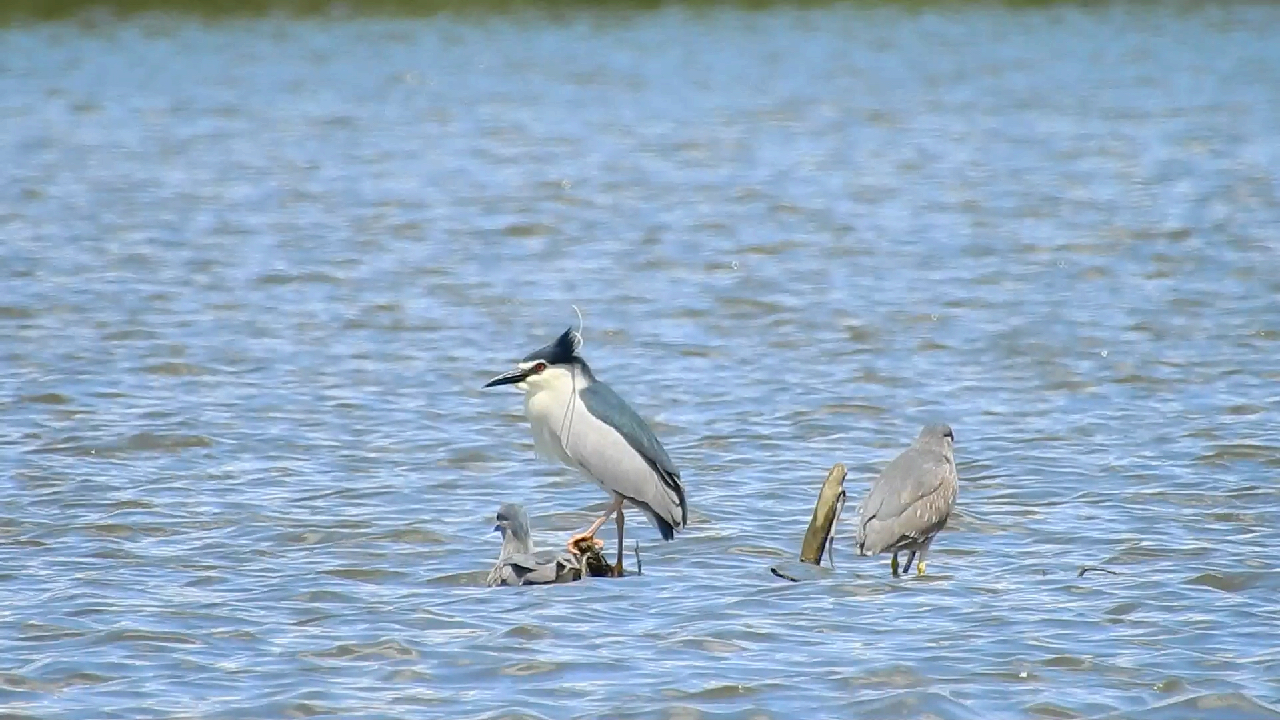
[
  {"x": 530, "y": 370},
  {"x": 534, "y": 376},
  {"x": 544, "y": 377}
]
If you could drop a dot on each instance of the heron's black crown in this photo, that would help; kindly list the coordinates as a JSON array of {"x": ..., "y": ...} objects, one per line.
[{"x": 561, "y": 351}]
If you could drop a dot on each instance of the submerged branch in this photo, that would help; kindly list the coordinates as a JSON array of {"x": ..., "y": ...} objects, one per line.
[
  {"x": 593, "y": 564},
  {"x": 819, "y": 537},
  {"x": 825, "y": 513}
]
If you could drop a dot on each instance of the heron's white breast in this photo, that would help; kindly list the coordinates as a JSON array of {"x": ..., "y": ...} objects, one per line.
[{"x": 547, "y": 409}]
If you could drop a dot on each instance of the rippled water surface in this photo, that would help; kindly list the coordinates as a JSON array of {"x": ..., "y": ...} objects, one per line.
[{"x": 255, "y": 271}]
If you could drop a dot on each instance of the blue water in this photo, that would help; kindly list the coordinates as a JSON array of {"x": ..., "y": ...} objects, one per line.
[{"x": 255, "y": 272}]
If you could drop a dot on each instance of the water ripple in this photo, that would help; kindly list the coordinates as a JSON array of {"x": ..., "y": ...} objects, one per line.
[{"x": 257, "y": 271}]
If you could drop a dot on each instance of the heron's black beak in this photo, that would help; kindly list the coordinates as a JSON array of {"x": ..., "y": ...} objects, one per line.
[
  {"x": 497, "y": 528},
  {"x": 508, "y": 378}
]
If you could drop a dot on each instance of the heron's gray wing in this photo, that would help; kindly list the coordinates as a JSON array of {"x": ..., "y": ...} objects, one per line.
[
  {"x": 542, "y": 568},
  {"x": 603, "y": 402},
  {"x": 502, "y": 574},
  {"x": 512, "y": 569},
  {"x": 533, "y": 560},
  {"x": 625, "y": 457},
  {"x": 915, "y": 474}
]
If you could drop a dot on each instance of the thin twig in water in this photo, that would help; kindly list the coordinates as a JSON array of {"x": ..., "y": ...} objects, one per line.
[
  {"x": 639, "y": 565},
  {"x": 1088, "y": 568},
  {"x": 831, "y": 538},
  {"x": 784, "y": 576}
]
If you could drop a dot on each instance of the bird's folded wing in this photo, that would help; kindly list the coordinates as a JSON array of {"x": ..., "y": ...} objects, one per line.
[
  {"x": 602, "y": 401},
  {"x": 533, "y": 560},
  {"x": 913, "y": 475},
  {"x": 542, "y": 567}
]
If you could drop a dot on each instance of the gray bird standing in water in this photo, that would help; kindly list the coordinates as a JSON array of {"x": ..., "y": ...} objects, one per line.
[
  {"x": 580, "y": 421},
  {"x": 911, "y": 500},
  {"x": 519, "y": 563}
]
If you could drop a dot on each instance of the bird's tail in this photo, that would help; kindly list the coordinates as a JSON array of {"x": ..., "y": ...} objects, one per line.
[
  {"x": 873, "y": 538},
  {"x": 666, "y": 504},
  {"x": 667, "y": 529},
  {"x": 667, "y": 513}
]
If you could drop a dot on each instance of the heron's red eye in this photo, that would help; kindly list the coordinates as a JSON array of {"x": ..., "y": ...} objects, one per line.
[{"x": 539, "y": 367}]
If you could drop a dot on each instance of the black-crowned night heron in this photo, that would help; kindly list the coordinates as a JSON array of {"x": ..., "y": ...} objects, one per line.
[
  {"x": 519, "y": 563},
  {"x": 911, "y": 500},
  {"x": 580, "y": 421}
]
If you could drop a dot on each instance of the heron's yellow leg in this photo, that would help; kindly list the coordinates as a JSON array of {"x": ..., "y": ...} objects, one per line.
[
  {"x": 924, "y": 553},
  {"x": 617, "y": 569},
  {"x": 590, "y": 534},
  {"x": 893, "y": 564},
  {"x": 573, "y": 541}
]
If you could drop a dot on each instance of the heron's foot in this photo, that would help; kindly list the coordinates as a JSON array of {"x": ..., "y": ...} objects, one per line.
[
  {"x": 584, "y": 537},
  {"x": 920, "y": 569},
  {"x": 617, "y": 569}
]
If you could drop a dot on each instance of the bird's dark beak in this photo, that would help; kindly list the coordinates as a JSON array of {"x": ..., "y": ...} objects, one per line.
[
  {"x": 497, "y": 528},
  {"x": 508, "y": 378}
]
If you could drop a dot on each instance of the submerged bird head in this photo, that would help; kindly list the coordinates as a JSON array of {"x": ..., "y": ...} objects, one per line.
[
  {"x": 513, "y": 523},
  {"x": 553, "y": 363}
]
